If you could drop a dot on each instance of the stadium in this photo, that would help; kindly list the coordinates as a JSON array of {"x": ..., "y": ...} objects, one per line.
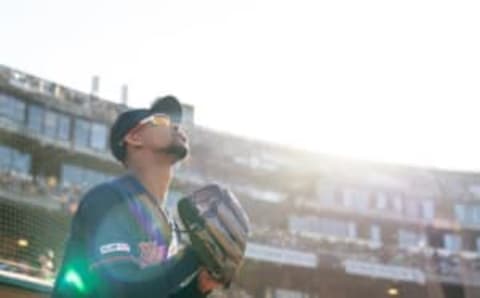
[{"x": 322, "y": 226}]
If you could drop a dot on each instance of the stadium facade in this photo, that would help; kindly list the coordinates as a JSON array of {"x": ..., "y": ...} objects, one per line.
[{"x": 323, "y": 226}]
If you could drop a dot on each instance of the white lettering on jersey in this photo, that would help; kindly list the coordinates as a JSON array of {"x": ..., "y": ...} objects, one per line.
[{"x": 114, "y": 247}]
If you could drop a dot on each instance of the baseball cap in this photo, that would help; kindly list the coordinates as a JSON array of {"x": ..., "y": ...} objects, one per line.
[{"x": 129, "y": 119}]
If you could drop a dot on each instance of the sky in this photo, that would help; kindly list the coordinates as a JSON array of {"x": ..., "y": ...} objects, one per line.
[{"x": 390, "y": 81}]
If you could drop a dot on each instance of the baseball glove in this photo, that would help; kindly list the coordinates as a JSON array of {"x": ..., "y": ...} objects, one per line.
[{"x": 218, "y": 228}]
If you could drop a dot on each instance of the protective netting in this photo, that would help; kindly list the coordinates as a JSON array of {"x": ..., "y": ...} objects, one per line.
[{"x": 31, "y": 239}]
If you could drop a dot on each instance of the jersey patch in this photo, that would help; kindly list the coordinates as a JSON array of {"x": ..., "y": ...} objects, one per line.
[
  {"x": 151, "y": 253},
  {"x": 114, "y": 247}
]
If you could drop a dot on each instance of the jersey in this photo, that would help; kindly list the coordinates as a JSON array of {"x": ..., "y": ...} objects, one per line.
[{"x": 121, "y": 244}]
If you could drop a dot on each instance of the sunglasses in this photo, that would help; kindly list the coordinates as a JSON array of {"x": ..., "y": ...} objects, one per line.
[{"x": 157, "y": 120}]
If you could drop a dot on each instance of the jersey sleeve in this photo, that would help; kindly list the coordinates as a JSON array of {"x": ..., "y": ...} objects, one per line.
[{"x": 111, "y": 241}]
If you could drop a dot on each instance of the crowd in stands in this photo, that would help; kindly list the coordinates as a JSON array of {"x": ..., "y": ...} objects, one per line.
[
  {"x": 433, "y": 261},
  {"x": 43, "y": 267},
  {"x": 40, "y": 189},
  {"x": 13, "y": 182},
  {"x": 425, "y": 258}
]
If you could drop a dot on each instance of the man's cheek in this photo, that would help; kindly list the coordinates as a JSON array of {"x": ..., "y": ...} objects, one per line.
[{"x": 164, "y": 139}]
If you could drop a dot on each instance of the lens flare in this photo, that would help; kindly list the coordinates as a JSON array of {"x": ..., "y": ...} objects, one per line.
[{"x": 73, "y": 278}]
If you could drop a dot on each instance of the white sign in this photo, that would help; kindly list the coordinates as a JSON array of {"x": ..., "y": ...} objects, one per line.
[
  {"x": 384, "y": 271},
  {"x": 280, "y": 255}
]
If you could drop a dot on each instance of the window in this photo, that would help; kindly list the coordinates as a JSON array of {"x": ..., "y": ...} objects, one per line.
[
  {"x": 82, "y": 133},
  {"x": 35, "y": 118},
  {"x": 452, "y": 242},
  {"x": 14, "y": 160},
  {"x": 476, "y": 214},
  {"x": 92, "y": 177},
  {"x": 381, "y": 201},
  {"x": 398, "y": 203},
  {"x": 411, "y": 209},
  {"x": 375, "y": 234},
  {"x": 12, "y": 108},
  {"x": 81, "y": 177},
  {"x": 323, "y": 226},
  {"x": 63, "y": 127},
  {"x": 51, "y": 124},
  {"x": 410, "y": 238},
  {"x": 6, "y": 160},
  {"x": 18, "y": 110},
  {"x": 460, "y": 213},
  {"x": 4, "y": 104},
  {"x": 467, "y": 214},
  {"x": 6, "y": 107},
  {"x": 348, "y": 198},
  {"x": 427, "y": 210},
  {"x": 327, "y": 197},
  {"x": 352, "y": 230},
  {"x": 99, "y": 136},
  {"x": 361, "y": 200},
  {"x": 21, "y": 162},
  {"x": 188, "y": 113},
  {"x": 70, "y": 175}
]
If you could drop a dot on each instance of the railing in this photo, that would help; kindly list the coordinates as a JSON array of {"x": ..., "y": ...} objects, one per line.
[
  {"x": 25, "y": 277},
  {"x": 437, "y": 264}
]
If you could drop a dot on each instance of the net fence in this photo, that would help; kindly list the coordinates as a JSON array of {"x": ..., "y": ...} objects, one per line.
[{"x": 31, "y": 239}]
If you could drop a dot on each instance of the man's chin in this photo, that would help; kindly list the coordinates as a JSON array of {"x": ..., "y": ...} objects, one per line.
[{"x": 179, "y": 152}]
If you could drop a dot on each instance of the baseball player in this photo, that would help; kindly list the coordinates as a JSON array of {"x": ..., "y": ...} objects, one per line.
[{"x": 122, "y": 243}]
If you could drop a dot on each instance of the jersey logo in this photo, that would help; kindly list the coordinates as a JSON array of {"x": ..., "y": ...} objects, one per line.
[
  {"x": 151, "y": 253},
  {"x": 114, "y": 247}
]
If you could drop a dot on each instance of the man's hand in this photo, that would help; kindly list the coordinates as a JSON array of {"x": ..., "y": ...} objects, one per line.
[{"x": 206, "y": 283}]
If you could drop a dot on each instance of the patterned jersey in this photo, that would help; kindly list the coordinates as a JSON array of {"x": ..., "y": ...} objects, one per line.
[{"x": 122, "y": 244}]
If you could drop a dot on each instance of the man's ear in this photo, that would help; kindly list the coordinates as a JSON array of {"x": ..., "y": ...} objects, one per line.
[{"x": 134, "y": 139}]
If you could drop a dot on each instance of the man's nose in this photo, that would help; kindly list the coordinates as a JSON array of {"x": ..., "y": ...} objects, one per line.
[{"x": 178, "y": 128}]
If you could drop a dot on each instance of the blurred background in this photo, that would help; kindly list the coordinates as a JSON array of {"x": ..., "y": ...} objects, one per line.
[{"x": 348, "y": 130}]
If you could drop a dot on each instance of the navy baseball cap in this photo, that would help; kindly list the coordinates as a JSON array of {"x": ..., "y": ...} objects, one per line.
[{"x": 129, "y": 119}]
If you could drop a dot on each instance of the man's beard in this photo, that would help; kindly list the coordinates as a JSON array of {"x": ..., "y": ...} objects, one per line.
[{"x": 179, "y": 151}]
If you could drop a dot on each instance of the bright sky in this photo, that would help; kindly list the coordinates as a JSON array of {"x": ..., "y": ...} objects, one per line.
[{"x": 383, "y": 80}]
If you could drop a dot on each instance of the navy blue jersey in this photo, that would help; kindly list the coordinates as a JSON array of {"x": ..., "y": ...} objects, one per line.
[{"x": 121, "y": 244}]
